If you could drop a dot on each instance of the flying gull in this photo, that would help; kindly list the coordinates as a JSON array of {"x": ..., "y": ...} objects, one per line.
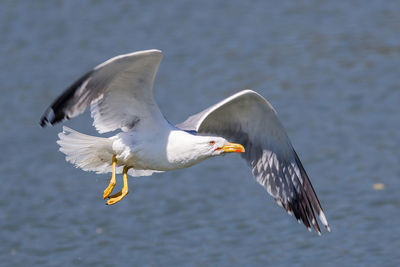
[{"x": 120, "y": 94}]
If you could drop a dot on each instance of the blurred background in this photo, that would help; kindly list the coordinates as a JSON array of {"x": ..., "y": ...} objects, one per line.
[{"x": 331, "y": 70}]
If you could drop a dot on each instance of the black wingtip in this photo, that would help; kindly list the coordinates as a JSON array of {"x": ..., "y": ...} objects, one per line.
[
  {"x": 57, "y": 111},
  {"x": 43, "y": 121},
  {"x": 47, "y": 118},
  {"x": 311, "y": 200}
]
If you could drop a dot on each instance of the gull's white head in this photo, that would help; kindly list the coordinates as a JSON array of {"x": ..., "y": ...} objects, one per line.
[
  {"x": 214, "y": 146},
  {"x": 188, "y": 149}
]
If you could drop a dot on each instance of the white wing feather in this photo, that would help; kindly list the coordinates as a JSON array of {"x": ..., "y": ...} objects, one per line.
[{"x": 120, "y": 92}]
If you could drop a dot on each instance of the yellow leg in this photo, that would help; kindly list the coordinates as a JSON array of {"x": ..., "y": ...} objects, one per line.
[
  {"x": 113, "y": 180},
  {"x": 120, "y": 195}
]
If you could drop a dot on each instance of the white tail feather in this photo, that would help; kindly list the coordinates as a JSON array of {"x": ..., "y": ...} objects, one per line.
[
  {"x": 87, "y": 152},
  {"x": 91, "y": 153}
]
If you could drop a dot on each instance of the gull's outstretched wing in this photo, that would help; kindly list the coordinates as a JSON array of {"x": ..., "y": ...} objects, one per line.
[
  {"x": 247, "y": 118},
  {"x": 120, "y": 92}
]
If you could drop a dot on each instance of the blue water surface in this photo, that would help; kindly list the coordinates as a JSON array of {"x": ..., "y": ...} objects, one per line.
[{"x": 330, "y": 68}]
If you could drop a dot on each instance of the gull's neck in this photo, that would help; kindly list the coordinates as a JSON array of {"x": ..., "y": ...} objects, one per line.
[{"x": 184, "y": 149}]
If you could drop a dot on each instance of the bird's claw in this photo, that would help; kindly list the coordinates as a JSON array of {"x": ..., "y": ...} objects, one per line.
[{"x": 121, "y": 194}]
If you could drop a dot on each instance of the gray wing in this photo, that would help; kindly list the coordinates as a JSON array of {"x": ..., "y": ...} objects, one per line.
[
  {"x": 247, "y": 118},
  {"x": 120, "y": 92}
]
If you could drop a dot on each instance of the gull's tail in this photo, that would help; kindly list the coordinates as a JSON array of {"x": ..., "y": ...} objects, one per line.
[{"x": 87, "y": 152}]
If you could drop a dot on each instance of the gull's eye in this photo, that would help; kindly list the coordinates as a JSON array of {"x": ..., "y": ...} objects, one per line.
[{"x": 212, "y": 143}]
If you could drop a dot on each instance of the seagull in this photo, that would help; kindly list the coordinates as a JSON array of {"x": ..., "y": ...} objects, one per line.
[{"x": 120, "y": 95}]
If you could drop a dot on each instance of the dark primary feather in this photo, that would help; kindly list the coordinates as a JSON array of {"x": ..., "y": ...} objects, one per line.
[
  {"x": 247, "y": 118},
  {"x": 56, "y": 112}
]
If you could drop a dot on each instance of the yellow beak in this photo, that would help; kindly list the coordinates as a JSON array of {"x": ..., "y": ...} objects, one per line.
[{"x": 232, "y": 147}]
